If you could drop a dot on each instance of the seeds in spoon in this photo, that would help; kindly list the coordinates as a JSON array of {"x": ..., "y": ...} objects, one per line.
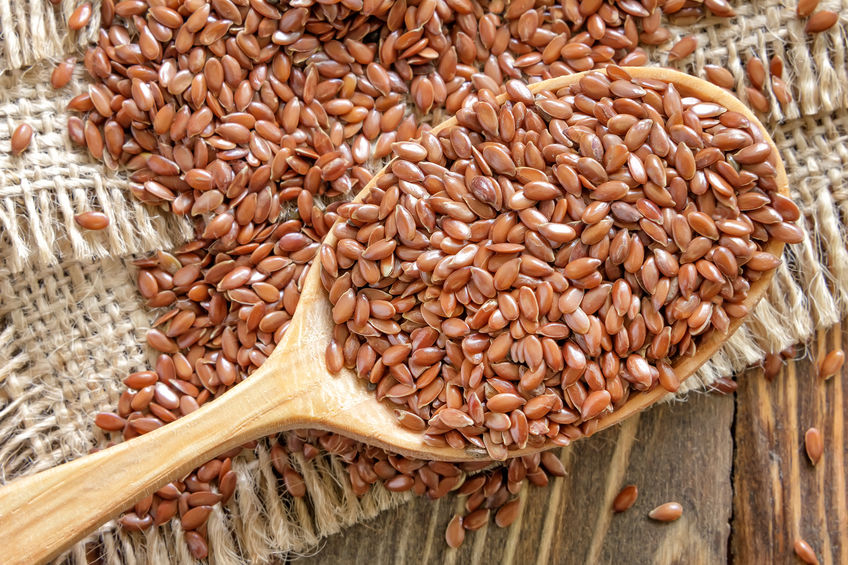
[{"x": 499, "y": 313}]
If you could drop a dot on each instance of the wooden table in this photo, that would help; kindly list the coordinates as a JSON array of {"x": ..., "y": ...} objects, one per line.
[{"x": 736, "y": 464}]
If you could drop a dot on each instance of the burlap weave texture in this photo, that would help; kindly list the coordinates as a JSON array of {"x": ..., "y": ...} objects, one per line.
[{"x": 72, "y": 324}]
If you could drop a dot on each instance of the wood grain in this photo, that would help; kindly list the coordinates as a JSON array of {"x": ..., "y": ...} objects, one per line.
[
  {"x": 681, "y": 451},
  {"x": 779, "y": 495}
]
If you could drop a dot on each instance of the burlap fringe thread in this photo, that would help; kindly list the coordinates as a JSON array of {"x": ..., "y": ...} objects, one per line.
[{"x": 69, "y": 305}]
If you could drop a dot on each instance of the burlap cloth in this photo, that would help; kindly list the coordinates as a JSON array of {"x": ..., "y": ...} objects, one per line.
[{"x": 73, "y": 325}]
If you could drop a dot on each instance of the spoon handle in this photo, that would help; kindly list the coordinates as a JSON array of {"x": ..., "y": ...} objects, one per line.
[{"x": 43, "y": 514}]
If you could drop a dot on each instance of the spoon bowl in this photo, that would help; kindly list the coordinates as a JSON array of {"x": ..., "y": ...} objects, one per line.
[{"x": 43, "y": 514}]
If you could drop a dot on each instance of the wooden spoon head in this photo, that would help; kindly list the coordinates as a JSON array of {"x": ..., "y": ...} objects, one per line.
[{"x": 342, "y": 403}]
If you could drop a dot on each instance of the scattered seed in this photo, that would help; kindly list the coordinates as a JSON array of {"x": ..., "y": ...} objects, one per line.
[
  {"x": 719, "y": 76},
  {"x": 756, "y": 71},
  {"x": 294, "y": 483},
  {"x": 821, "y": 21},
  {"x": 195, "y": 517},
  {"x": 668, "y": 512},
  {"x": 772, "y": 366},
  {"x": 683, "y": 48},
  {"x": 724, "y": 385},
  {"x": 62, "y": 73},
  {"x": 757, "y": 100},
  {"x": 21, "y": 138},
  {"x": 781, "y": 91},
  {"x": 776, "y": 66},
  {"x": 80, "y": 16},
  {"x": 625, "y": 498},
  {"x": 720, "y": 8},
  {"x": 831, "y": 364},
  {"x": 814, "y": 444},
  {"x": 476, "y": 519},
  {"x": 135, "y": 523},
  {"x": 507, "y": 514},
  {"x": 92, "y": 220},
  {"x": 196, "y": 545},
  {"x": 805, "y": 552},
  {"x": 455, "y": 532},
  {"x": 806, "y": 7}
]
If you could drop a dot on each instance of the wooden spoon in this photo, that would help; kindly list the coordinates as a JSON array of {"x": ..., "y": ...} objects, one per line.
[{"x": 43, "y": 514}]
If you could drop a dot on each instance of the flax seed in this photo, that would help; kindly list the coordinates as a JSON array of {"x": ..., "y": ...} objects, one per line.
[
  {"x": 805, "y": 552},
  {"x": 814, "y": 444},
  {"x": 197, "y": 545},
  {"x": 455, "y": 533},
  {"x": 806, "y": 7},
  {"x": 781, "y": 91},
  {"x": 476, "y": 519},
  {"x": 625, "y": 498},
  {"x": 757, "y": 100},
  {"x": 80, "y": 16},
  {"x": 668, "y": 512},
  {"x": 21, "y": 138},
  {"x": 719, "y": 76},
  {"x": 195, "y": 517},
  {"x": 821, "y": 21},
  {"x": 756, "y": 71},
  {"x": 772, "y": 366},
  {"x": 683, "y": 48},
  {"x": 92, "y": 220},
  {"x": 776, "y": 66},
  {"x": 831, "y": 364},
  {"x": 62, "y": 73}
]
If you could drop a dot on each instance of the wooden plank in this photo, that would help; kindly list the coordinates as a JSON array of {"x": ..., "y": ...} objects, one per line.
[
  {"x": 779, "y": 495},
  {"x": 677, "y": 452}
]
